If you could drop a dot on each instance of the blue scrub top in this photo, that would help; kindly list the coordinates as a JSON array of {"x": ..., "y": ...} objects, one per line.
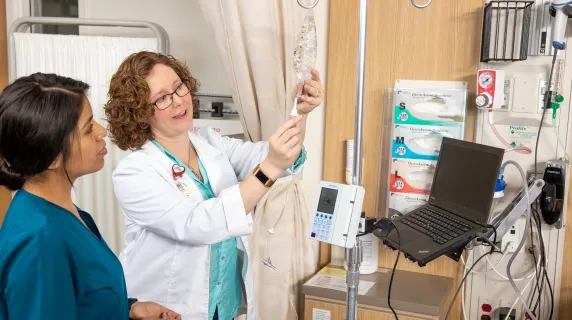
[{"x": 53, "y": 267}]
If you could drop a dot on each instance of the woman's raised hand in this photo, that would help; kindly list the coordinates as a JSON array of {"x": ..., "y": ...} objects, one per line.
[{"x": 285, "y": 146}]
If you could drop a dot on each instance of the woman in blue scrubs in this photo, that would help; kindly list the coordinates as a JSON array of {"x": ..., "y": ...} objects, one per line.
[{"x": 53, "y": 262}]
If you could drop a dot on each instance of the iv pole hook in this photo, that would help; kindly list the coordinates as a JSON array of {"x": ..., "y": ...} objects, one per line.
[
  {"x": 309, "y": 6},
  {"x": 420, "y": 6}
]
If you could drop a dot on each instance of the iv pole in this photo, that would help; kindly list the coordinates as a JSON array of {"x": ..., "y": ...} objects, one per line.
[{"x": 353, "y": 256}]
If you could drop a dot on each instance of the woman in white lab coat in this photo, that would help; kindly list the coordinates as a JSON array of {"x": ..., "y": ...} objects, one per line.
[{"x": 188, "y": 197}]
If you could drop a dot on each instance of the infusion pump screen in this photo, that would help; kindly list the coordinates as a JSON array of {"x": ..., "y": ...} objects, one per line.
[{"x": 327, "y": 202}]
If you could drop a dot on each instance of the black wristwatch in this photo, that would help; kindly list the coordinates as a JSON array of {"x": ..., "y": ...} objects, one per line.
[
  {"x": 267, "y": 182},
  {"x": 131, "y": 302}
]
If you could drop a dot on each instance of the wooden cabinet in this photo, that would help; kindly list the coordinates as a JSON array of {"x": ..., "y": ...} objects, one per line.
[
  {"x": 413, "y": 295},
  {"x": 337, "y": 311}
]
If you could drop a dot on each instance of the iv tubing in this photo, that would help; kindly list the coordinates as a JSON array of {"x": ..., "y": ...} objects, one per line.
[
  {"x": 523, "y": 240},
  {"x": 559, "y": 143},
  {"x": 516, "y": 301},
  {"x": 294, "y": 112}
]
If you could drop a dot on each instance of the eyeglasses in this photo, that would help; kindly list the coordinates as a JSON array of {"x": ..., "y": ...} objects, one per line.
[{"x": 167, "y": 100}]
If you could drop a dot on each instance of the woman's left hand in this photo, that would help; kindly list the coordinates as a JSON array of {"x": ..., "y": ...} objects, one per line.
[
  {"x": 152, "y": 310},
  {"x": 312, "y": 94}
]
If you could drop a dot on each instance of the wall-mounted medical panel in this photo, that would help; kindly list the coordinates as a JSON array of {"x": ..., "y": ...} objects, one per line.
[{"x": 541, "y": 29}]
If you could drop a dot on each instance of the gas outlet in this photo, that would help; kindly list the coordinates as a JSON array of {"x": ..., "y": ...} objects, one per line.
[{"x": 541, "y": 96}]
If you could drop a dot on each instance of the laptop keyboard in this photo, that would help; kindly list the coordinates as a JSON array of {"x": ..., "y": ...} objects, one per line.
[{"x": 439, "y": 227}]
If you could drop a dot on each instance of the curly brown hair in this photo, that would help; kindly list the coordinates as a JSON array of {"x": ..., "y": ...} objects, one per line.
[{"x": 128, "y": 109}]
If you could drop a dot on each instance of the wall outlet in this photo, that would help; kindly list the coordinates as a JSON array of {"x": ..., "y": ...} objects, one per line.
[
  {"x": 512, "y": 238},
  {"x": 507, "y": 304},
  {"x": 506, "y": 101},
  {"x": 488, "y": 306},
  {"x": 506, "y": 313},
  {"x": 541, "y": 94}
]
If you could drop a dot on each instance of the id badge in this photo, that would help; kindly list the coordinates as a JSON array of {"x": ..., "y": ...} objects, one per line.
[
  {"x": 178, "y": 177},
  {"x": 186, "y": 189}
]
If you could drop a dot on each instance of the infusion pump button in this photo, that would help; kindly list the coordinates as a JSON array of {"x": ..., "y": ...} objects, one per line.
[{"x": 322, "y": 226}]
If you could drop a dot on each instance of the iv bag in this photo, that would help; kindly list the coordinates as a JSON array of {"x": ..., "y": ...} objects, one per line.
[{"x": 305, "y": 49}]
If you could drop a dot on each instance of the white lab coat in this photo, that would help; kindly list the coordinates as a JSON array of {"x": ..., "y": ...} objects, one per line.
[{"x": 168, "y": 234}]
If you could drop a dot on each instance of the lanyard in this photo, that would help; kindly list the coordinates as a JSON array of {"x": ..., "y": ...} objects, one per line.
[{"x": 204, "y": 187}]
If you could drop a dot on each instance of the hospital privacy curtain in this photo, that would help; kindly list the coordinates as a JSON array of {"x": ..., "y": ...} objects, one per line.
[{"x": 256, "y": 43}]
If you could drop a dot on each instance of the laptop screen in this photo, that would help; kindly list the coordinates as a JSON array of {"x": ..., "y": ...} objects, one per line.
[{"x": 465, "y": 178}]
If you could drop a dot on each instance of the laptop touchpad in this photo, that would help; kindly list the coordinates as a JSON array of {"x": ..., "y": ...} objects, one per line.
[{"x": 407, "y": 235}]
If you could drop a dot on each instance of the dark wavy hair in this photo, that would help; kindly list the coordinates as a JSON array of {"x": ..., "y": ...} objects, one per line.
[
  {"x": 128, "y": 109},
  {"x": 38, "y": 115}
]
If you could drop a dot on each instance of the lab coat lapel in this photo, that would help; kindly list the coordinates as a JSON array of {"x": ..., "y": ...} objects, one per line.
[{"x": 211, "y": 158}]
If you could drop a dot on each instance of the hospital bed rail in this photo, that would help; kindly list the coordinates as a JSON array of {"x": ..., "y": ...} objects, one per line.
[{"x": 21, "y": 24}]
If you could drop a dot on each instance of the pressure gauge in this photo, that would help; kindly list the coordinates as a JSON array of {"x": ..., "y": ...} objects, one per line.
[
  {"x": 485, "y": 79},
  {"x": 490, "y": 89}
]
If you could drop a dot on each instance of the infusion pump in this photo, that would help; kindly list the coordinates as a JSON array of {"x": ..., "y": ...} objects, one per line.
[{"x": 337, "y": 215}]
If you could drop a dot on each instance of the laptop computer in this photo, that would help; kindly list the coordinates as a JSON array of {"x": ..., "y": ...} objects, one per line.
[{"x": 459, "y": 202}]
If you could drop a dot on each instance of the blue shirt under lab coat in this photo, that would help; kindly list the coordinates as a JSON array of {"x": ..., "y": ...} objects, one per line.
[{"x": 53, "y": 267}]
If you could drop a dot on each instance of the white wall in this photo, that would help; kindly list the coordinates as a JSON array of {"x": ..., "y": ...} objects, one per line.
[
  {"x": 16, "y": 9},
  {"x": 533, "y": 70},
  {"x": 191, "y": 39}
]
